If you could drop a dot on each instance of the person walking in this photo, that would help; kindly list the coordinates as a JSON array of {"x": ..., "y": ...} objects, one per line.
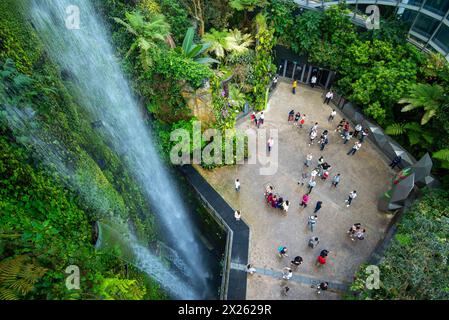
[
  {"x": 294, "y": 85},
  {"x": 313, "y": 174},
  {"x": 270, "y": 144},
  {"x": 311, "y": 222},
  {"x": 282, "y": 251},
  {"x": 308, "y": 161},
  {"x": 257, "y": 120},
  {"x": 287, "y": 273},
  {"x": 321, "y": 260},
  {"x": 318, "y": 206},
  {"x": 237, "y": 185},
  {"x": 313, "y": 81},
  {"x": 332, "y": 115},
  {"x": 351, "y": 197},
  {"x": 357, "y": 130},
  {"x": 395, "y": 162},
  {"x": 336, "y": 180},
  {"x": 313, "y": 242},
  {"x": 340, "y": 125},
  {"x": 237, "y": 215},
  {"x": 311, "y": 185},
  {"x": 305, "y": 200},
  {"x": 354, "y": 148},
  {"x": 327, "y": 99},
  {"x": 312, "y": 137},
  {"x": 314, "y": 127}
]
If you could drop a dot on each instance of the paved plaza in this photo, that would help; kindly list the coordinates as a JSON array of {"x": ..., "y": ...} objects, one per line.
[{"x": 367, "y": 172}]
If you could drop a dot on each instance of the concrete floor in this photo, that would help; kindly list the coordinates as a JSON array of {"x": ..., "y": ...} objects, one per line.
[{"x": 367, "y": 172}]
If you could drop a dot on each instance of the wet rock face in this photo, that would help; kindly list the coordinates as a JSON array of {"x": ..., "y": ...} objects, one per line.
[{"x": 200, "y": 102}]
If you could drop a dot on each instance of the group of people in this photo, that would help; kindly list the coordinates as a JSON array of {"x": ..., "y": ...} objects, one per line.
[
  {"x": 276, "y": 201},
  {"x": 257, "y": 119}
]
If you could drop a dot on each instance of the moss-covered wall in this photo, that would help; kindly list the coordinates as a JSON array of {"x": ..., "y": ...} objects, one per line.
[{"x": 95, "y": 164}]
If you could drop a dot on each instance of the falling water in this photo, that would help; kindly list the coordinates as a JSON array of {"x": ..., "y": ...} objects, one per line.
[{"x": 101, "y": 88}]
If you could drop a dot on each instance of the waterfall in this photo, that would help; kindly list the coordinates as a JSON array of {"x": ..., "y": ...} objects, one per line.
[{"x": 100, "y": 87}]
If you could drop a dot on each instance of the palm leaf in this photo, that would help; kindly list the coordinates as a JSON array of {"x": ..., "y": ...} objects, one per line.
[
  {"x": 206, "y": 60},
  {"x": 188, "y": 40},
  {"x": 442, "y": 155},
  {"x": 395, "y": 129}
]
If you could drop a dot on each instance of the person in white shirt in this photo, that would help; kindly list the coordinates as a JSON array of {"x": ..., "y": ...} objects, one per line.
[
  {"x": 357, "y": 130},
  {"x": 250, "y": 269},
  {"x": 237, "y": 215},
  {"x": 329, "y": 97},
  {"x": 308, "y": 161},
  {"x": 313, "y": 81},
  {"x": 270, "y": 144},
  {"x": 237, "y": 185},
  {"x": 332, "y": 116},
  {"x": 355, "y": 148},
  {"x": 287, "y": 273},
  {"x": 286, "y": 205},
  {"x": 351, "y": 197},
  {"x": 312, "y": 137}
]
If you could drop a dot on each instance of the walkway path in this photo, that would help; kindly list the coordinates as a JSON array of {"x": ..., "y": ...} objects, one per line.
[{"x": 367, "y": 172}]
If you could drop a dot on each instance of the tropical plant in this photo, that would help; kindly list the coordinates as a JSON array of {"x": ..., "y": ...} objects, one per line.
[
  {"x": 443, "y": 156},
  {"x": 149, "y": 35},
  {"x": 236, "y": 97},
  {"x": 414, "y": 131},
  {"x": 239, "y": 43},
  {"x": 18, "y": 275},
  {"x": 195, "y": 51},
  {"x": 120, "y": 289},
  {"x": 218, "y": 41},
  {"x": 430, "y": 97},
  {"x": 196, "y": 10},
  {"x": 248, "y": 5}
]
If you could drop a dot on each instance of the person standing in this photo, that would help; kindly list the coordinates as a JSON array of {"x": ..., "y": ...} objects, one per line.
[
  {"x": 328, "y": 98},
  {"x": 351, "y": 197},
  {"x": 340, "y": 125},
  {"x": 312, "y": 137},
  {"x": 323, "y": 142},
  {"x": 237, "y": 215},
  {"x": 308, "y": 161},
  {"x": 357, "y": 130},
  {"x": 302, "y": 121},
  {"x": 312, "y": 184},
  {"x": 395, "y": 162},
  {"x": 270, "y": 144},
  {"x": 261, "y": 118},
  {"x": 253, "y": 118},
  {"x": 297, "y": 117},
  {"x": 297, "y": 261},
  {"x": 313, "y": 174},
  {"x": 285, "y": 206},
  {"x": 312, "y": 222},
  {"x": 237, "y": 185},
  {"x": 287, "y": 273},
  {"x": 318, "y": 206},
  {"x": 250, "y": 269},
  {"x": 313, "y": 81},
  {"x": 347, "y": 136},
  {"x": 314, "y": 127},
  {"x": 304, "y": 176},
  {"x": 355, "y": 148},
  {"x": 364, "y": 135},
  {"x": 294, "y": 85},
  {"x": 291, "y": 115},
  {"x": 257, "y": 120},
  {"x": 305, "y": 200},
  {"x": 336, "y": 180},
  {"x": 313, "y": 242},
  {"x": 332, "y": 115}
]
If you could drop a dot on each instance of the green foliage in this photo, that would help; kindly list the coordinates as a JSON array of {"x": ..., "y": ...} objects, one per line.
[
  {"x": 263, "y": 68},
  {"x": 443, "y": 156},
  {"x": 429, "y": 97},
  {"x": 194, "y": 51},
  {"x": 415, "y": 266},
  {"x": 177, "y": 17},
  {"x": 149, "y": 33},
  {"x": 18, "y": 275},
  {"x": 248, "y": 5},
  {"x": 414, "y": 131},
  {"x": 120, "y": 289}
]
